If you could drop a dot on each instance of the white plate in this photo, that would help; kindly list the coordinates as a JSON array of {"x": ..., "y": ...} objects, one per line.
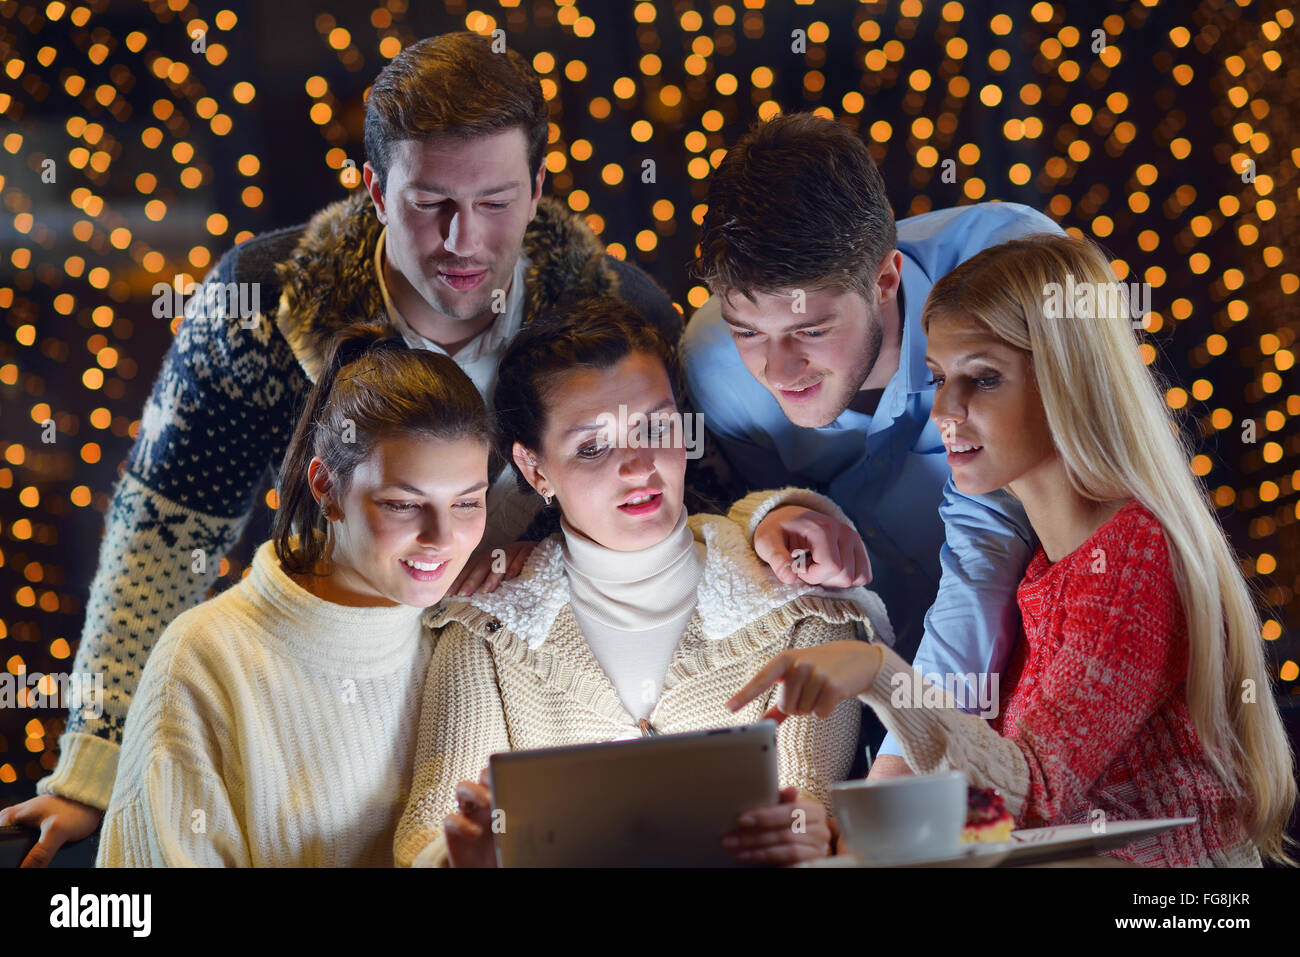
[
  {"x": 1031, "y": 845},
  {"x": 1076, "y": 840},
  {"x": 977, "y": 854}
]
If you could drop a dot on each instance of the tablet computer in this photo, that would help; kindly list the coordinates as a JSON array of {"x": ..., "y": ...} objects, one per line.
[
  {"x": 16, "y": 840},
  {"x": 662, "y": 801}
]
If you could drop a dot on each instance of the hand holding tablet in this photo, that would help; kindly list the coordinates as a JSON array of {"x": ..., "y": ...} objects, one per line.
[
  {"x": 653, "y": 802},
  {"x": 791, "y": 832},
  {"x": 469, "y": 833}
]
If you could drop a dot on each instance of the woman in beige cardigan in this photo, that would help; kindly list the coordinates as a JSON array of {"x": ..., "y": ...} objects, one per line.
[{"x": 635, "y": 619}]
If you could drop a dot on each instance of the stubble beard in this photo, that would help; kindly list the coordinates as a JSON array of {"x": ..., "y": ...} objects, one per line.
[
  {"x": 863, "y": 363},
  {"x": 451, "y": 304}
]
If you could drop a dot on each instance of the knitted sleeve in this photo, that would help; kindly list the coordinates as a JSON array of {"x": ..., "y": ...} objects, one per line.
[
  {"x": 177, "y": 816},
  {"x": 935, "y": 735},
  {"x": 170, "y": 804},
  {"x": 813, "y": 752},
  {"x": 1122, "y": 653},
  {"x": 750, "y": 511},
  {"x": 221, "y": 410},
  {"x": 462, "y": 724}
]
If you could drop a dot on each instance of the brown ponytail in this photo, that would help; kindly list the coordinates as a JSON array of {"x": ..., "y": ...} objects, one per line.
[{"x": 372, "y": 386}]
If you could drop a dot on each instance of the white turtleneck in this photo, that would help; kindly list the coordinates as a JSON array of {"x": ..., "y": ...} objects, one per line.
[
  {"x": 271, "y": 728},
  {"x": 633, "y": 607}
]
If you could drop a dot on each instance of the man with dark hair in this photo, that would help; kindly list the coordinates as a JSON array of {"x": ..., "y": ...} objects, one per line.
[
  {"x": 808, "y": 363},
  {"x": 453, "y": 245}
]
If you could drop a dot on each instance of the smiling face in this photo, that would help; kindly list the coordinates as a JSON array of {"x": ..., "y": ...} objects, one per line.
[
  {"x": 987, "y": 407},
  {"x": 411, "y": 515},
  {"x": 622, "y": 497},
  {"x": 456, "y": 211},
  {"x": 813, "y": 361}
]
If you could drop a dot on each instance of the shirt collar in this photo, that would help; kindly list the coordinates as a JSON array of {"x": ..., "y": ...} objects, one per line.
[
  {"x": 490, "y": 339},
  {"x": 413, "y": 338},
  {"x": 911, "y": 365},
  {"x": 495, "y": 337},
  {"x": 912, "y": 375}
]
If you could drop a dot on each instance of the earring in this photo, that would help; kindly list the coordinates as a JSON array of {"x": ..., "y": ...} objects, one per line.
[
  {"x": 546, "y": 497},
  {"x": 329, "y": 530}
]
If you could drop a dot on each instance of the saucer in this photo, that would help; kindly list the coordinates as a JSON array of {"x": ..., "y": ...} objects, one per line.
[
  {"x": 975, "y": 854},
  {"x": 1036, "y": 845}
]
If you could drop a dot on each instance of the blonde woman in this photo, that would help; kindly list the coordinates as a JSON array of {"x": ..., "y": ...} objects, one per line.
[
  {"x": 1139, "y": 686},
  {"x": 636, "y": 619}
]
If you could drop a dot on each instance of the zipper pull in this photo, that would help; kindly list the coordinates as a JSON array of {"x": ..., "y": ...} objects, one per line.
[{"x": 647, "y": 729}]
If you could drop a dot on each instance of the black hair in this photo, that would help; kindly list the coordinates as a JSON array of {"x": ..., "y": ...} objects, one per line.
[{"x": 592, "y": 333}]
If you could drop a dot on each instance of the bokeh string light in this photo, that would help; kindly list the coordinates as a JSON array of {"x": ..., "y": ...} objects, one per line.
[{"x": 1173, "y": 143}]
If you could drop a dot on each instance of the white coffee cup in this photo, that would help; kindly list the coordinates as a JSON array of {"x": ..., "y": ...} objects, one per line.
[{"x": 909, "y": 818}]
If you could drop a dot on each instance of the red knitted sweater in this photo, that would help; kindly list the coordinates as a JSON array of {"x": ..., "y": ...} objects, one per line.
[{"x": 1096, "y": 691}]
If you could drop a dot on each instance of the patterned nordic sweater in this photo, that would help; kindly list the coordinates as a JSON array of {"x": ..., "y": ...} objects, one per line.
[
  {"x": 221, "y": 413},
  {"x": 1094, "y": 713},
  {"x": 511, "y": 671}
]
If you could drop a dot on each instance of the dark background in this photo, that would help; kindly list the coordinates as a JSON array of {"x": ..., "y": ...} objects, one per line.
[{"x": 1139, "y": 146}]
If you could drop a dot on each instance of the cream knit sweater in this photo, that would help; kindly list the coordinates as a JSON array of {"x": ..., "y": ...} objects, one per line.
[
  {"x": 270, "y": 728},
  {"x": 512, "y": 671}
]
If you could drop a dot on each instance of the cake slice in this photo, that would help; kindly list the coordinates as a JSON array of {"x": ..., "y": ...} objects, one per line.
[{"x": 987, "y": 818}]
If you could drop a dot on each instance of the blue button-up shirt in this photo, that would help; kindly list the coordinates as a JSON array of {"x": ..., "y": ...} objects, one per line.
[{"x": 946, "y": 564}]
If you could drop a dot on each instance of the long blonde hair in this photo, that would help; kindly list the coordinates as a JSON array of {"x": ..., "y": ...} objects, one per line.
[{"x": 1117, "y": 440}]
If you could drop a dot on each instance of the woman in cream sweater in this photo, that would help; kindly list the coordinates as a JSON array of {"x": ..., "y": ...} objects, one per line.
[
  {"x": 274, "y": 723},
  {"x": 635, "y": 619}
]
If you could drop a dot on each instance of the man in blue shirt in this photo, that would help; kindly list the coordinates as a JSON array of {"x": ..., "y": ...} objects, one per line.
[{"x": 808, "y": 364}]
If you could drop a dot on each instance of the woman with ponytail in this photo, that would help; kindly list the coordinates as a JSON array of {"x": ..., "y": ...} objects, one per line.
[
  {"x": 272, "y": 723},
  {"x": 1139, "y": 687}
]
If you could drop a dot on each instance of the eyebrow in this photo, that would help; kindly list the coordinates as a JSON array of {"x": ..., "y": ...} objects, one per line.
[
  {"x": 416, "y": 491},
  {"x": 987, "y": 356},
  {"x": 593, "y": 426},
  {"x": 435, "y": 188},
  {"x": 806, "y": 324}
]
